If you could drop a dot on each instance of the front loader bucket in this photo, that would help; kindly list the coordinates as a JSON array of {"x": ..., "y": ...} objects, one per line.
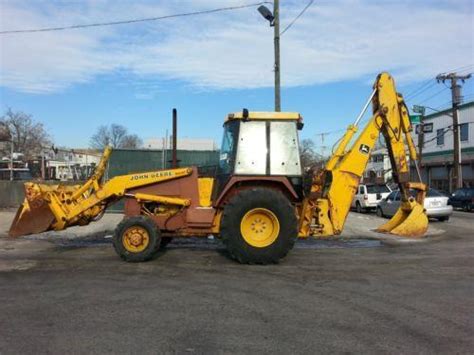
[
  {"x": 48, "y": 207},
  {"x": 407, "y": 222},
  {"x": 31, "y": 221},
  {"x": 34, "y": 215}
]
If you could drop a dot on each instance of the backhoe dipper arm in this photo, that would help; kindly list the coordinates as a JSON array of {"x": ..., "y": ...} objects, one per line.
[{"x": 325, "y": 210}]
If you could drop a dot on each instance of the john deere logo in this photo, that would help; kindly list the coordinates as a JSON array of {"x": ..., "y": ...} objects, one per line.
[{"x": 364, "y": 149}]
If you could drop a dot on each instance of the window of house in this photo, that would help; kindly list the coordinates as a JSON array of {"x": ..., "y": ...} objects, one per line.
[
  {"x": 464, "y": 131},
  {"x": 440, "y": 136}
]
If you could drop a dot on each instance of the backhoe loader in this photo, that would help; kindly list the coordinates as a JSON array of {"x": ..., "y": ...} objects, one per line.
[{"x": 255, "y": 203}]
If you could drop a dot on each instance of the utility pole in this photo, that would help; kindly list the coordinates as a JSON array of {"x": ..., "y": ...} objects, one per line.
[
  {"x": 456, "y": 100},
  {"x": 276, "y": 29},
  {"x": 274, "y": 20}
]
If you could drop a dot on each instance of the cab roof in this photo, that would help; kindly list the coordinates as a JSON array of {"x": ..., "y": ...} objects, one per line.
[{"x": 262, "y": 116}]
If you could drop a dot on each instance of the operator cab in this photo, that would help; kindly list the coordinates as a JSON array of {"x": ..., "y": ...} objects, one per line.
[{"x": 261, "y": 144}]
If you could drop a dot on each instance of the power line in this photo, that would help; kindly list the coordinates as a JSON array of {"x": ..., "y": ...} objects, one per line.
[
  {"x": 429, "y": 83},
  {"x": 297, "y": 17},
  {"x": 113, "y": 23},
  {"x": 423, "y": 86},
  {"x": 421, "y": 90},
  {"x": 330, "y": 132},
  {"x": 459, "y": 69},
  {"x": 436, "y": 94}
]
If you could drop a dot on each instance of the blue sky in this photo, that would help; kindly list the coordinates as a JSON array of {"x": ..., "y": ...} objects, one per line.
[{"x": 206, "y": 66}]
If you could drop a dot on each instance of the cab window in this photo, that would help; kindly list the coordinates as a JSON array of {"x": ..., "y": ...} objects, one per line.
[{"x": 228, "y": 147}]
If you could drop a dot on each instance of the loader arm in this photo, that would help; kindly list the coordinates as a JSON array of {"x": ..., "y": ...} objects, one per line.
[
  {"x": 56, "y": 207},
  {"x": 325, "y": 210}
]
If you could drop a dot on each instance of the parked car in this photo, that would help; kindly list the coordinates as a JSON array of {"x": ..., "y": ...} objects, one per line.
[
  {"x": 368, "y": 196},
  {"x": 463, "y": 198},
  {"x": 436, "y": 205},
  {"x": 18, "y": 174}
]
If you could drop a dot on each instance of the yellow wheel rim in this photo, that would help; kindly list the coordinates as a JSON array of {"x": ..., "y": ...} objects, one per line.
[
  {"x": 260, "y": 227},
  {"x": 135, "y": 239}
]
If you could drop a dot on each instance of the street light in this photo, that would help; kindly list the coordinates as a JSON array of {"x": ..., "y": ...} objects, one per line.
[
  {"x": 266, "y": 13},
  {"x": 274, "y": 19}
]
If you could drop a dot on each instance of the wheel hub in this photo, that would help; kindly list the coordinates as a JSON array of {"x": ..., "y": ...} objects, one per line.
[
  {"x": 260, "y": 227},
  {"x": 135, "y": 239}
]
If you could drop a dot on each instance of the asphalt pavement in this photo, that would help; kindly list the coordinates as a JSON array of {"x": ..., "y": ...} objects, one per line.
[{"x": 353, "y": 294}]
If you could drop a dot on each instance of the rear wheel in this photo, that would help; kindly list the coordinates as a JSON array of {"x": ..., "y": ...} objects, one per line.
[
  {"x": 379, "y": 212},
  {"x": 443, "y": 219},
  {"x": 359, "y": 208},
  {"x": 136, "y": 239},
  {"x": 259, "y": 226}
]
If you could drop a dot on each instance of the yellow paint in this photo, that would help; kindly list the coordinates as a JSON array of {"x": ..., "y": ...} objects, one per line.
[
  {"x": 162, "y": 199},
  {"x": 135, "y": 239},
  {"x": 260, "y": 227},
  {"x": 272, "y": 116},
  {"x": 216, "y": 223},
  {"x": 325, "y": 211},
  {"x": 409, "y": 221},
  {"x": 205, "y": 186},
  {"x": 80, "y": 204}
]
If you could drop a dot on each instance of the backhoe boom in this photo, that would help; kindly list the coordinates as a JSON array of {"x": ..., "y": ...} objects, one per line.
[{"x": 326, "y": 208}]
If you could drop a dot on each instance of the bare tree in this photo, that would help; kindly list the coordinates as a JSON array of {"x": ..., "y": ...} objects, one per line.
[
  {"x": 4, "y": 132},
  {"x": 101, "y": 138},
  {"x": 309, "y": 158},
  {"x": 116, "y": 136},
  {"x": 28, "y": 136},
  {"x": 131, "y": 141}
]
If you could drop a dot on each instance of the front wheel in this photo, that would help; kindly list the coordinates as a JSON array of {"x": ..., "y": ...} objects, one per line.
[
  {"x": 136, "y": 239},
  {"x": 259, "y": 226}
]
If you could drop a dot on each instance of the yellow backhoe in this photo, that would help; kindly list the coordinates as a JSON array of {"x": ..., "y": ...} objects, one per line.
[{"x": 255, "y": 203}]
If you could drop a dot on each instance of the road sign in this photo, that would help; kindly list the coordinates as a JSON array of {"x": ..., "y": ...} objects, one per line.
[
  {"x": 427, "y": 128},
  {"x": 419, "y": 109},
  {"x": 415, "y": 118}
]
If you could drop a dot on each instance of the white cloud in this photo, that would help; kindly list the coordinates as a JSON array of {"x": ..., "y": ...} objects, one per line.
[{"x": 333, "y": 41}]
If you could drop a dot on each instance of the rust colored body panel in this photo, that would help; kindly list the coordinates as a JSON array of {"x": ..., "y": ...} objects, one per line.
[
  {"x": 34, "y": 220},
  {"x": 191, "y": 220},
  {"x": 196, "y": 220}
]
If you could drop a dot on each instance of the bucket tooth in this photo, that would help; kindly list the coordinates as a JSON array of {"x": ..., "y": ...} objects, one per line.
[{"x": 407, "y": 222}]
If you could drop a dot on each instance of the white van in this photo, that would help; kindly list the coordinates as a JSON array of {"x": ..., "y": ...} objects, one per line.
[{"x": 368, "y": 196}]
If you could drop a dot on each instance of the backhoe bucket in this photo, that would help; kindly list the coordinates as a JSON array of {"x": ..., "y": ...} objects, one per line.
[
  {"x": 34, "y": 215},
  {"x": 409, "y": 221}
]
